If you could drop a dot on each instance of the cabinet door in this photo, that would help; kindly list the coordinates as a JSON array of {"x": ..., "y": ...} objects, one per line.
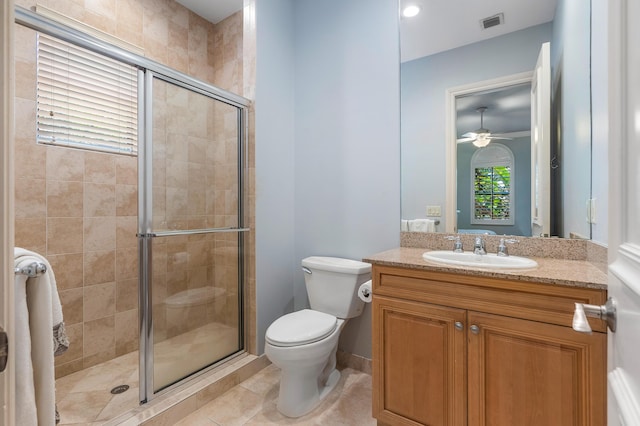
[
  {"x": 418, "y": 363},
  {"x": 529, "y": 373}
]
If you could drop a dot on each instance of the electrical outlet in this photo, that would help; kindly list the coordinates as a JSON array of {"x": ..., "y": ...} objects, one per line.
[{"x": 434, "y": 211}]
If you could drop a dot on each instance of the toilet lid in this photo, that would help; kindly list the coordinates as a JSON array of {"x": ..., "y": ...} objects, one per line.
[{"x": 301, "y": 327}]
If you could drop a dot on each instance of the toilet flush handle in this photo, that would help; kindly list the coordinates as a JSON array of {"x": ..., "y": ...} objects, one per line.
[{"x": 307, "y": 270}]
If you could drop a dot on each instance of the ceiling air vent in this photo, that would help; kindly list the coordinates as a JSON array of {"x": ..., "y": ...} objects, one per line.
[{"x": 492, "y": 21}]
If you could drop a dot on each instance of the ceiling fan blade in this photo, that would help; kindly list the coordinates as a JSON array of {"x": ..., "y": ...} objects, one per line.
[
  {"x": 470, "y": 135},
  {"x": 463, "y": 140},
  {"x": 500, "y": 137}
]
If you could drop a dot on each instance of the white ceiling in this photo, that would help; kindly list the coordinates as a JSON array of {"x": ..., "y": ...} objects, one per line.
[
  {"x": 443, "y": 25},
  {"x": 446, "y": 24}
]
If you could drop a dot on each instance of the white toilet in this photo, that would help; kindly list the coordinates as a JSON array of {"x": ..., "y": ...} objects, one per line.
[{"x": 303, "y": 344}]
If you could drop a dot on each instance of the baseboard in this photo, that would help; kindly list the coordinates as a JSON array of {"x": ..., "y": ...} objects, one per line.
[{"x": 356, "y": 362}]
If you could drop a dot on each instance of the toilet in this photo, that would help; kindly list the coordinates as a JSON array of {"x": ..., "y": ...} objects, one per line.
[{"x": 303, "y": 344}]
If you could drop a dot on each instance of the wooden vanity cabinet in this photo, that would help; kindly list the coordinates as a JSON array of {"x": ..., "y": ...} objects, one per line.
[{"x": 451, "y": 349}]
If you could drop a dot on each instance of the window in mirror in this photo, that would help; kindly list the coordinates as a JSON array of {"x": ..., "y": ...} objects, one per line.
[{"x": 492, "y": 171}]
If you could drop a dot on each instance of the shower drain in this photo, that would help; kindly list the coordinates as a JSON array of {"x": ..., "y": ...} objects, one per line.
[{"x": 119, "y": 389}]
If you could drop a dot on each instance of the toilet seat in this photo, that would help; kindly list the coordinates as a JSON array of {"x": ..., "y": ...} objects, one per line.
[{"x": 300, "y": 328}]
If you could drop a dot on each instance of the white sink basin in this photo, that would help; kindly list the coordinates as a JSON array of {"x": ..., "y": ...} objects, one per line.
[{"x": 491, "y": 260}]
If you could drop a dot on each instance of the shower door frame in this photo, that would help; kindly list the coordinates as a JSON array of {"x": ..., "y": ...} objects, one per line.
[
  {"x": 37, "y": 22},
  {"x": 146, "y": 234}
]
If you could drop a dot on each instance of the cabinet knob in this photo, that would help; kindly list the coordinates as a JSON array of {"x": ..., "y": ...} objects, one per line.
[
  {"x": 459, "y": 326},
  {"x": 475, "y": 329}
]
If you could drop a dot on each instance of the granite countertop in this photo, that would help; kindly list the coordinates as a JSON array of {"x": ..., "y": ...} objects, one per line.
[{"x": 572, "y": 273}]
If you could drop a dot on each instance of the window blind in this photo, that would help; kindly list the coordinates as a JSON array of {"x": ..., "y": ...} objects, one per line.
[{"x": 84, "y": 99}]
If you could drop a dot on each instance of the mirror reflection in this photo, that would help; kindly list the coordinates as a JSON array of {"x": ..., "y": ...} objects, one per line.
[
  {"x": 467, "y": 89},
  {"x": 493, "y": 161}
]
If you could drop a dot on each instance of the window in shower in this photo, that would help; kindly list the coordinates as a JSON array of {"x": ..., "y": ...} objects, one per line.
[{"x": 85, "y": 99}]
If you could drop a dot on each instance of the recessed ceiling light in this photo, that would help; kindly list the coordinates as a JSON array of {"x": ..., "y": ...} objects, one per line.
[{"x": 410, "y": 11}]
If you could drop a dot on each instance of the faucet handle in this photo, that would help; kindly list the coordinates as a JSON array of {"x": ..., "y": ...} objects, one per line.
[
  {"x": 502, "y": 247},
  {"x": 457, "y": 244}
]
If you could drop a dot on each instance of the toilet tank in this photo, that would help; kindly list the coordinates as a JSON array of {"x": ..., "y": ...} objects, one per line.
[{"x": 332, "y": 284}]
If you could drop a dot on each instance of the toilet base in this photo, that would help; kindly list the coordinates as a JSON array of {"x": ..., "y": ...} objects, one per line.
[{"x": 290, "y": 397}]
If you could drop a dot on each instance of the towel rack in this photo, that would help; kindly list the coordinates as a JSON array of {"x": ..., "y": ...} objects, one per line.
[{"x": 33, "y": 270}]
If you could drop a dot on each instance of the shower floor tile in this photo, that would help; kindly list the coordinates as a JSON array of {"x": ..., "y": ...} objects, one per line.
[{"x": 85, "y": 397}]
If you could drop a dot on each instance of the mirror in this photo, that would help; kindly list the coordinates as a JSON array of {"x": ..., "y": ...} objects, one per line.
[
  {"x": 461, "y": 59},
  {"x": 493, "y": 160}
]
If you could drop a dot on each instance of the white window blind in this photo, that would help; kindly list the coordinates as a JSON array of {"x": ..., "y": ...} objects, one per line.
[{"x": 85, "y": 100}]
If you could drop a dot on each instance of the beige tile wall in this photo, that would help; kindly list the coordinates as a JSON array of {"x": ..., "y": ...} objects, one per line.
[
  {"x": 195, "y": 177},
  {"x": 79, "y": 208}
]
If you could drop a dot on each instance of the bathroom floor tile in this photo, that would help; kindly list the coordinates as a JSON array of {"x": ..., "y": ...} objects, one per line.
[
  {"x": 83, "y": 398},
  {"x": 265, "y": 382},
  {"x": 233, "y": 408},
  {"x": 253, "y": 402}
]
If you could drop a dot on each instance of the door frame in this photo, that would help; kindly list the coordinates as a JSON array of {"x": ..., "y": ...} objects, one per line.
[
  {"x": 7, "y": 378},
  {"x": 452, "y": 93}
]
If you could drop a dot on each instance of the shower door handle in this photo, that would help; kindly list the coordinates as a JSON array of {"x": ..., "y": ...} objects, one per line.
[{"x": 4, "y": 349}]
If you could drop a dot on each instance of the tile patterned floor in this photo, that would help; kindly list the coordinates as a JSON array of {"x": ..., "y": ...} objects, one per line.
[
  {"x": 83, "y": 399},
  {"x": 253, "y": 402}
]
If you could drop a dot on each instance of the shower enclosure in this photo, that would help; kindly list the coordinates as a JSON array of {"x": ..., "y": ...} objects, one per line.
[
  {"x": 191, "y": 168},
  {"x": 190, "y": 230}
]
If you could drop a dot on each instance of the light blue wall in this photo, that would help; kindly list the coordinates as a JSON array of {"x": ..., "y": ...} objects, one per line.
[
  {"x": 347, "y": 133},
  {"x": 327, "y": 145},
  {"x": 521, "y": 149},
  {"x": 570, "y": 56},
  {"x": 424, "y": 84},
  {"x": 600, "y": 120},
  {"x": 274, "y": 162}
]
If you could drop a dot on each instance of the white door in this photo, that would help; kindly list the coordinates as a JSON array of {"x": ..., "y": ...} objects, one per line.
[
  {"x": 6, "y": 203},
  {"x": 541, "y": 144},
  {"x": 624, "y": 212}
]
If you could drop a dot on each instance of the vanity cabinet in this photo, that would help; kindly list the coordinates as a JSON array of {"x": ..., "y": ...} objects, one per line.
[{"x": 452, "y": 349}]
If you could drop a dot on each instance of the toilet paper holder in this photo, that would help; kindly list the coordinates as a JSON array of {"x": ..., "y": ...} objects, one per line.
[{"x": 365, "y": 293}]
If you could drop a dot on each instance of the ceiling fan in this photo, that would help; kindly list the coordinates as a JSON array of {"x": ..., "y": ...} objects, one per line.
[{"x": 480, "y": 137}]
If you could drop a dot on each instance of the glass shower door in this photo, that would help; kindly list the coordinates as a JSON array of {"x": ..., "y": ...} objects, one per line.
[{"x": 193, "y": 222}]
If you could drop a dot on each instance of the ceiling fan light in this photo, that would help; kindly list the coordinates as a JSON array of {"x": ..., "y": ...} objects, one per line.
[{"x": 482, "y": 140}]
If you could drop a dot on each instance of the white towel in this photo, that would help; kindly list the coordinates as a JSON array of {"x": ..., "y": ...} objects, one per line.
[
  {"x": 38, "y": 309},
  {"x": 404, "y": 225},
  {"x": 422, "y": 225}
]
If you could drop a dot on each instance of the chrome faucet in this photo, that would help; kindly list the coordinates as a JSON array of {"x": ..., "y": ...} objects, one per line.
[
  {"x": 478, "y": 246},
  {"x": 457, "y": 244},
  {"x": 502, "y": 247}
]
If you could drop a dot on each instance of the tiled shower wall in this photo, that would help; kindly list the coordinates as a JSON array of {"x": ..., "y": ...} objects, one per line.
[
  {"x": 195, "y": 178},
  {"x": 78, "y": 207}
]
